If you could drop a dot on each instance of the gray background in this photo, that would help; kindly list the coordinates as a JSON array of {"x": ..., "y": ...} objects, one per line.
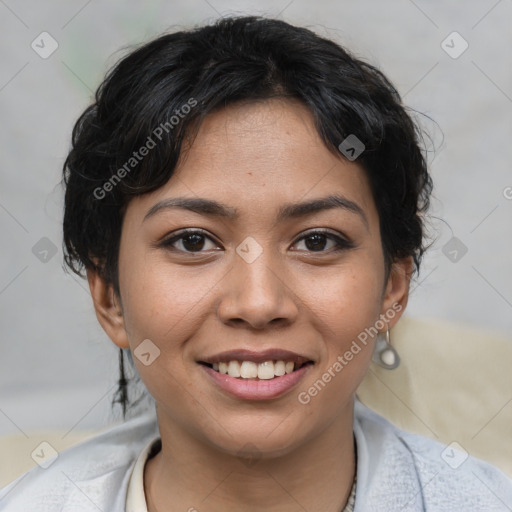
[{"x": 57, "y": 367}]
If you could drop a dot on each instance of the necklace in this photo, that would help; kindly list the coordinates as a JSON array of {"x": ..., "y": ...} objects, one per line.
[{"x": 349, "y": 507}]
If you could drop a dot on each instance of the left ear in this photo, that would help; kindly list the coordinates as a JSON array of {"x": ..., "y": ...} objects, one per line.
[{"x": 396, "y": 293}]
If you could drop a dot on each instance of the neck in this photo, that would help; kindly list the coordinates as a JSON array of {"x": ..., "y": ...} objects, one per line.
[{"x": 317, "y": 476}]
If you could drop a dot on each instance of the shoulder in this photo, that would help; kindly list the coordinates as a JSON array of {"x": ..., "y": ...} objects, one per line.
[
  {"x": 89, "y": 476},
  {"x": 398, "y": 470}
]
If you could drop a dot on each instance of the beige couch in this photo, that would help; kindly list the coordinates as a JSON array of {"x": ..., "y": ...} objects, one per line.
[{"x": 454, "y": 384}]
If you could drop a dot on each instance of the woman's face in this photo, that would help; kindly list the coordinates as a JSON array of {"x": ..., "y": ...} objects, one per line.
[{"x": 256, "y": 280}]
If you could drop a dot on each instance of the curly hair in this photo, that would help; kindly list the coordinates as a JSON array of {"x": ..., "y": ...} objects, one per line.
[{"x": 206, "y": 68}]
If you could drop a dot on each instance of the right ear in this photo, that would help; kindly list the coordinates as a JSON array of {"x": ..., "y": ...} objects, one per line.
[{"x": 108, "y": 308}]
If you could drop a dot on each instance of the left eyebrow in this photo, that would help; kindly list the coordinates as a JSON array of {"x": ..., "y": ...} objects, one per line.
[{"x": 287, "y": 211}]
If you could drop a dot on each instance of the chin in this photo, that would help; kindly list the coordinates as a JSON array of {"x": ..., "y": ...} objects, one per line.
[{"x": 257, "y": 437}]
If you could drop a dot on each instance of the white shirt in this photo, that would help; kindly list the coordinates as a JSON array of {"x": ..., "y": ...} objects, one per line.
[
  {"x": 396, "y": 471},
  {"x": 136, "y": 497}
]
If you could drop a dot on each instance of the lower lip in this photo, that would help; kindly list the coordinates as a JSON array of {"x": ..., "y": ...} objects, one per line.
[{"x": 256, "y": 389}]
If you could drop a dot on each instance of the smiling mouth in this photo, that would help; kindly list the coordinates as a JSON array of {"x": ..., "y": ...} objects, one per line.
[{"x": 266, "y": 370}]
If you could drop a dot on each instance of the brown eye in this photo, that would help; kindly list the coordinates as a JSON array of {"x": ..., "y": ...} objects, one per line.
[
  {"x": 190, "y": 241},
  {"x": 194, "y": 241},
  {"x": 316, "y": 241}
]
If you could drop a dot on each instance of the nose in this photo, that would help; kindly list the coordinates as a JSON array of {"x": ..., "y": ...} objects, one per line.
[{"x": 256, "y": 295}]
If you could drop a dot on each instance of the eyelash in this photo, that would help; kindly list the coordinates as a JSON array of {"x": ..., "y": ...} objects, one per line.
[{"x": 341, "y": 243}]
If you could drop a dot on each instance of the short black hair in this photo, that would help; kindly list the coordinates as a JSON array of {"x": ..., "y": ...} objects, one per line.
[{"x": 164, "y": 88}]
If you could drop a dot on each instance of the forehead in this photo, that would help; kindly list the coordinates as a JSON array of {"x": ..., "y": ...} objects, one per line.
[{"x": 258, "y": 155}]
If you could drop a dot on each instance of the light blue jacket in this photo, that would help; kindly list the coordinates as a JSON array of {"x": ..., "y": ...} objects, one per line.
[{"x": 396, "y": 472}]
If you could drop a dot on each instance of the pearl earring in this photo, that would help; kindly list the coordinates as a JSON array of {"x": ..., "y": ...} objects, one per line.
[{"x": 384, "y": 354}]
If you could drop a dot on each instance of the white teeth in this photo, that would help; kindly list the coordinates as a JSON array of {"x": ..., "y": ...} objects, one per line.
[
  {"x": 234, "y": 369},
  {"x": 248, "y": 370},
  {"x": 279, "y": 368},
  {"x": 266, "y": 370}
]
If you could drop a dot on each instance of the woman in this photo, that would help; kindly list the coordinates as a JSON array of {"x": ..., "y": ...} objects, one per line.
[{"x": 247, "y": 199}]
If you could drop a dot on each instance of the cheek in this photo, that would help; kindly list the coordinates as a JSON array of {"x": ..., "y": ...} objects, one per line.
[
  {"x": 160, "y": 303},
  {"x": 347, "y": 299},
  {"x": 162, "y": 307},
  {"x": 350, "y": 303}
]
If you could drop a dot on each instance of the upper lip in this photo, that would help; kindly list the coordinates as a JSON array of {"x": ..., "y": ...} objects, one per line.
[{"x": 272, "y": 354}]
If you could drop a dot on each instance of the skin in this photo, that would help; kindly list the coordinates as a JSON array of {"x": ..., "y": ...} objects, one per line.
[{"x": 221, "y": 453}]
